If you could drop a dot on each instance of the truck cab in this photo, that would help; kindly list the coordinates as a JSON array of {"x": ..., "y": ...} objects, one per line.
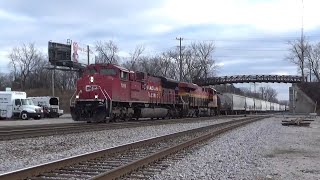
[
  {"x": 15, "y": 104},
  {"x": 49, "y": 104}
]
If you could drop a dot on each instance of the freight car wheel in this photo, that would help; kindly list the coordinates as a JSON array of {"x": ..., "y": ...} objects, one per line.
[
  {"x": 169, "y": 115},
  {"x": 128, "y": 117},
  {"x": 115, "y": 118},
  {"x": 166, "y": 117},
  {"x": 112, "y": 117},
  {"x": 106, "y": 120}
]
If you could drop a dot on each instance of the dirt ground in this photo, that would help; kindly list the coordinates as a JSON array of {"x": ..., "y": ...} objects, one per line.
[{"x": 295, "y": 154}]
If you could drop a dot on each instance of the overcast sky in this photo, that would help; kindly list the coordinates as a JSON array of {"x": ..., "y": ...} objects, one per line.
[{"x": 250, "y": 35}]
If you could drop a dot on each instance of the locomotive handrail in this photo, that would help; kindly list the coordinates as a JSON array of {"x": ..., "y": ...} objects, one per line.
[
  {"x": 110, "y": 108},
  {"x": 102, "y": 92},
  {"x": 182, "y": 100},
  {"x": 72, "y": 97},
  {"x": 107, "y": 94}
]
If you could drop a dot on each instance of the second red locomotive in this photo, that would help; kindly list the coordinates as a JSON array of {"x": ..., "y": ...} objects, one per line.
[{"x": 107, "y": 92}]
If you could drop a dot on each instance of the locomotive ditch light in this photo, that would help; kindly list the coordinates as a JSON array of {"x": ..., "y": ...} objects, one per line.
[
  {"x": 91, "y": 79},
  {"x": 96, "y": 96},
  {"x": 77, "y": 96}
]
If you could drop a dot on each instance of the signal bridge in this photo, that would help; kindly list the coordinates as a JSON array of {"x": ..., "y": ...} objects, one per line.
[{"x": 249, "y": 79}]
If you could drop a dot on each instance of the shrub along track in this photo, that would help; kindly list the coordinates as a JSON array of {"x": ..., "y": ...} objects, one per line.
[
  {"x": 123, "y": 161},
  {"x": 19, "y": 132}
]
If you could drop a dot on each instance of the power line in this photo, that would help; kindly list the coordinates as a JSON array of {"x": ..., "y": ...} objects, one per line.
[
  {"x": 258, "y": 39},
  {"x": 250, "y": 57},
  {"x": 244, "y": 49}
]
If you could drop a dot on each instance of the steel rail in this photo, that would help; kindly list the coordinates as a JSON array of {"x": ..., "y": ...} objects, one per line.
[
  {"x": 150, "y": 149},
  {"x": 128, "y": 168},
  {"x": 29, "y": 131}
]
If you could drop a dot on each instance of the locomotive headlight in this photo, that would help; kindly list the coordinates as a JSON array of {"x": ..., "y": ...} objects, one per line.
[
  {"x": 91, "y": 79},
  {"x": 96, "y": 96},
  {"x": 77, "y": 96}
]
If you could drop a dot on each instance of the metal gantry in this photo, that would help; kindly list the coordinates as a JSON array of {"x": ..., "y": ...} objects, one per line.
[{"x": 250, "y": 79}]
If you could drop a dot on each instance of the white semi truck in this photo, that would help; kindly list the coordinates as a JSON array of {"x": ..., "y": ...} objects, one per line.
[
  {"x": 15, "y": 104},
  {"x": 49, "y": 104}
]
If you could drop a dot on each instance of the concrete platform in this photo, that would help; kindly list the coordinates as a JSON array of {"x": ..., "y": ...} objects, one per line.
[{"x": 66, "y": 118}]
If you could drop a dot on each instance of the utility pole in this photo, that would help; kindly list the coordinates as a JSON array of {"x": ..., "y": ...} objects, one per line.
[
  {"x": 254, "y": 98},
  {"x": 88, "y": 54},
  {"x": 53, "y": 78},
  {"x": 180, "y": 56},
  {"x": 302, "y": 44},
  {"x": 293, "y": 101},
  {"x": 310, "y": 73}
]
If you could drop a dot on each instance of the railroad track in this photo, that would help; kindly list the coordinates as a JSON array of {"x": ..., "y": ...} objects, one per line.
[
  {"x": 19, "y": 132},
  {"x": 125, "y": 161}
]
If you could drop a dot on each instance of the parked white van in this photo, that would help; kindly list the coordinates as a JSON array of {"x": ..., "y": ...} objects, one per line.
[
  {"x": 15, "y": 104},
  {"x": 50, "y": 105}
]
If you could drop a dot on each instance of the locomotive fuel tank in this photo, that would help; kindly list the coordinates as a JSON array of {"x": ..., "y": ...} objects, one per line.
[{"x": 153, "y": 112}]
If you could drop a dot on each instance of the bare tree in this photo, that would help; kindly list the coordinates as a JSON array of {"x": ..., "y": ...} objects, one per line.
[
  {"x": 157, "y": 65},
  {"x": 247, "y": 92},
  {"x": 268, "y": 93},
  {"x": 297, "y": 54},
  {"x": 173, "y": 67},
  {"x": 24, "y": 59},
  {"x": 284, "y": 102},
  {"x": 229, "y": 88},
  {"x": 167, "y": 65},
  {"x": 40, "y": 76},
  {"x": 5, "y": 81},
  {"x": 107, "y": 52},
  {"x": 203, "y": 55},
  {"x": 66, "y": 80},
  {"x": 313, "y": 55},
  {"x": 134, "y": 59},
  {"x": 198, "y": 61}
]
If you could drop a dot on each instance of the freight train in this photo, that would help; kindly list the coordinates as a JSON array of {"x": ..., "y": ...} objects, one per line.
[
  {"x": 108, "y": 92},
  {"x": 236, "y": 104}
]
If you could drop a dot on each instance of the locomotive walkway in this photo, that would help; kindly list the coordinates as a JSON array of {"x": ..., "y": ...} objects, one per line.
[{"x": 249, "y": 79}]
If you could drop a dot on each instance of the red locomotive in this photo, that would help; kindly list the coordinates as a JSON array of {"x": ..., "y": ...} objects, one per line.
[{"x": 107, "y": 92}]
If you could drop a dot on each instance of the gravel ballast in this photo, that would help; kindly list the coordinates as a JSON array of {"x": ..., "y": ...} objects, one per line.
[
  {"x": 22, "y": 153},
  {"x": 66, "y": 118},
  {"x": 261, "y": 150}
]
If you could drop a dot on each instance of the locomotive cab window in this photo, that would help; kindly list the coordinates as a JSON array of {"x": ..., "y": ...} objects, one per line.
[
  {"x": 90, "y": 71},
  {"x": 124, "y": 75},
  {"x": 108, "y": 72}
]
